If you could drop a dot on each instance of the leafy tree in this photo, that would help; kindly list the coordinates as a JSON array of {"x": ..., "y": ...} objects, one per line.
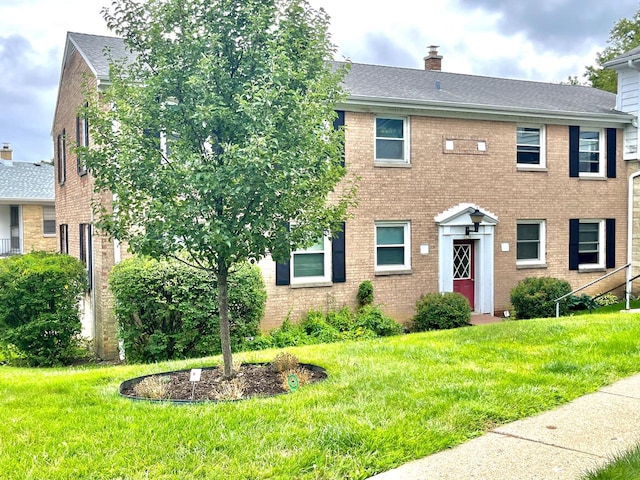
[
  {"x": 624, "y": 36},
  {"x": 219, "y": 134}
]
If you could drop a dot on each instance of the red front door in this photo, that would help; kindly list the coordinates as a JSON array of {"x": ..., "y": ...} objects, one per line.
[{"x": 463, "y": 270}]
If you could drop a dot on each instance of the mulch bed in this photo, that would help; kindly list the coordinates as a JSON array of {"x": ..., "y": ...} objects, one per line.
[{"x": 256, "y": 380}]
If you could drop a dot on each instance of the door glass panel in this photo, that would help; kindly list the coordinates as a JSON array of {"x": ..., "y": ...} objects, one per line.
[{"x": 461, "y": 262}]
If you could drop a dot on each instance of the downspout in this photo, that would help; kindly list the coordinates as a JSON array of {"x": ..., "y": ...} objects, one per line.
[{"x": 630, "y": 204}]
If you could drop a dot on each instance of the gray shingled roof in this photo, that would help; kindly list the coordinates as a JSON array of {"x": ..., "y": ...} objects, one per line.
[
  {"x": 443, "y": 88},
  {"x": 96, "y": 50},
  {"x": 632, "y": 54},
  {"x": 27, "y": 182},
  {"x": 381, "y": 84}
]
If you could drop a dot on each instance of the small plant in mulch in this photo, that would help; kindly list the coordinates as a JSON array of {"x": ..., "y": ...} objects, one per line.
[
  {"x": 155, "y": 387},
  {"x": 285, "y": 361},
  {"x": 231, "y": 389}
]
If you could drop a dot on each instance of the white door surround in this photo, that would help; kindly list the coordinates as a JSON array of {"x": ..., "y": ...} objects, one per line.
[{"x": 452, "y": 225}]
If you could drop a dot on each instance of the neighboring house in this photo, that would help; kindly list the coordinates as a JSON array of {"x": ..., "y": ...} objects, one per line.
[
  {"x": 27, "y": 211},
  {"x": 541, "y": 164}
]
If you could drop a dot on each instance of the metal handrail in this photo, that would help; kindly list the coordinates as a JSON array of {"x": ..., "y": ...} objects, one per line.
[{"x": 557, "y": 300}]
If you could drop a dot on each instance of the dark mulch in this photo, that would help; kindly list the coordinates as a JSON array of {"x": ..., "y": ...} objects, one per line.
[{"x": 256, "y": 380}]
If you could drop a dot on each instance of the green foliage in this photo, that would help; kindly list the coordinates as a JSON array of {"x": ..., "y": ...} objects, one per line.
[
  {"x": 167, "y": 310},
  {"x": 365, "y": 293},
  {"x": 534, "y": 297},
  {"x": 606, "y": 299},
  {"x": 623, "y": 37},
  {"x": 581, "y": 302},
  {"x": 372, "y": 318},
  {"x": 39, "y": 294},
  {"x": 245, "y": 97},
  {"x": 334, "y": 326},
  {"x": 438, "y": 311}
]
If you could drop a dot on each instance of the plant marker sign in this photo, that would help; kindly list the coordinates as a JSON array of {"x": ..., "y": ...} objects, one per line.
[
  {"x": 293, "y": 382},
  {"x": 194, "y": 377}
]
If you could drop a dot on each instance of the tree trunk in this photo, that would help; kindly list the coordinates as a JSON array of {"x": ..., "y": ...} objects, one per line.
[{"x": 225, "y": 335}]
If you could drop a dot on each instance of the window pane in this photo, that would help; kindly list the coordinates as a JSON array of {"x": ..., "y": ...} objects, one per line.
[
  {"x": 390, "y": 149},
  {"x": 584, "y": 258},
  {"x": 308, "y": 265},
  {"x": 390, "y": 255},
  {"x": 390, "y": 235},
  {"x": 589, "y": 141},
  {"x": 316, "y": 247},
  {"x": 528, "y": 251},
  {"x": 528, "y": 136},
  {"x": 589, "y": 162},
  {"x": 528, "y": 231},
  {"x": 389, "y": 128}
]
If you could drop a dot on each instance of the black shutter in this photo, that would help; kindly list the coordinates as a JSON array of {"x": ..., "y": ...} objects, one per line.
[
  {"x": 574, "y": 156},
  {"x": 283, "y": 270},
  {"x": 611, "y": 243},
  {"x": 574, "y": 234},
  {"x": 338, "y": 257},
  {"x": 338, "y": 123},
  {"x": 611, "y": 153}
]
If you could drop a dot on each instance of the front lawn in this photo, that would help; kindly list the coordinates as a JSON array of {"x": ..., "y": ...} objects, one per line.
[{"x": 387, "y": 401}]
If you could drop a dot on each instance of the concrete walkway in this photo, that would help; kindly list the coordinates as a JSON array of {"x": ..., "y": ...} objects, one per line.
[{"x": 561, "y": 444}]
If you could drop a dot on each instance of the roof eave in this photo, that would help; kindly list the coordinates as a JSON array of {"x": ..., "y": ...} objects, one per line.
[{"x": 447, "y": 109}]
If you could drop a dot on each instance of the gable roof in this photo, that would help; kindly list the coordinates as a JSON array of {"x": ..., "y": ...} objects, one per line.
[
  {"x": 370, "y": 86},
  {"x": 624, "y": 59},
  {"x": 27, "y": 182}
]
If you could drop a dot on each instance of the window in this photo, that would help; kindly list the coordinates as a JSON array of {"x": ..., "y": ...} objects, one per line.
[
  {"x": 592, "y": 244},
  {"x": 82, "y": 140},
  {"x": 313, "y": 264},
  {"x": 393, "y": 246},
  {"x": 530, "y": 242},
  {"x": 64, "y": 238},
  {"x": 530, "y": 146},
  {"x": 62, "y": 157},
  {"x": 86, "y": 253},
  {"x": 589, "y": 153},
  {"x": 48, "y": 220},
  {"x": 391, "y": 140}
]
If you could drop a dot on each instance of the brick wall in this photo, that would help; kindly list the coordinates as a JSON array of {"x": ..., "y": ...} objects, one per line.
[
  {"x": 73, "y": 206},
  {"x": 438, "y": 181},
  {"x": 33, "y": 234}
]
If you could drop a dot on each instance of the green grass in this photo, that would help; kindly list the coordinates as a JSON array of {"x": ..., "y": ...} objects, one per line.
[
  {"x": 616, "y": 307},
  {"x": 625, "y": 466},
  {"x": 387, "y": 401}
]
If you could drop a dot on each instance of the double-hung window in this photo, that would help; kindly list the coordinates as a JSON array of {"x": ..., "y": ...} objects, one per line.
[
  {"x": 391, "y": 141},
  {"x": 592, "y": 244},
  {"x": 530, "y": 146},
  {"x": 48, "y": 220},
  {"x": 393, "y": 246},
  {"x": 82, "y": 140},
  {"x": 312, "y": 264},
  {"x": 590, "y": 152},
  {"x": 530, "y": 242}
]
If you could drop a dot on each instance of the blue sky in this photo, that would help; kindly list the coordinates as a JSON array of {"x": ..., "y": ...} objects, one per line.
[{"x": 543, "y": 40}]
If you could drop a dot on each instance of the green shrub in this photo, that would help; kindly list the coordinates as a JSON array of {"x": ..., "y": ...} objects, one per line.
[
  {"x": 289, "y": 335},
  {"x": 534, "y": 297},
  {"x": 39, "y": 294},
  {"x": 606, "y": 299},
  {"x": 167, "y": 310},
  {"x": 343, "y": 320},
  {"x": 580, "y": 302},
  {"x": 365, "y": 293},
  {"x": 315, "y": 325},
  {"x": 372, "y": 318},
  {"x": 436, "y": 311}
]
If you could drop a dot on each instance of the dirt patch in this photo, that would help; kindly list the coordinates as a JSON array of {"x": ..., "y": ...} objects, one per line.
[{"x": 251, "y": 380}]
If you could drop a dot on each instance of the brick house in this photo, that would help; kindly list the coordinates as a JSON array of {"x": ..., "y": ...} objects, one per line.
[
  {"x": 27, "y": 207},
  {"x": 467, "y": 184}
]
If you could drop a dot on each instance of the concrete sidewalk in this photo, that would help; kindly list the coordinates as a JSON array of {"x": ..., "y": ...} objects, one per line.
[{"x": 561, "y": 444}]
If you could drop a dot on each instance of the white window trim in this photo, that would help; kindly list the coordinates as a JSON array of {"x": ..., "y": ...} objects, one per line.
[
  {"x": 324, "y": 279},
  {"x": 602, "y": 148},
  {"x": 406, "y": 131},
  {"x": 407, "y": 246},
  {"x": 543, "y": 148},
  {"x": 601, "y": 246},
  {"x": 542, "y": 239}
]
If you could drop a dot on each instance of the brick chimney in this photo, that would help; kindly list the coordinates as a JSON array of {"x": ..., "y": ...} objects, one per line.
[
  {"x": 6, "y": 155},
  {"x": 433, "y": 61}
]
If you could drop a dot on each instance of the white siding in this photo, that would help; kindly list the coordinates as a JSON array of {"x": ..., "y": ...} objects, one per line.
[{"x": 628, "y": 90}]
